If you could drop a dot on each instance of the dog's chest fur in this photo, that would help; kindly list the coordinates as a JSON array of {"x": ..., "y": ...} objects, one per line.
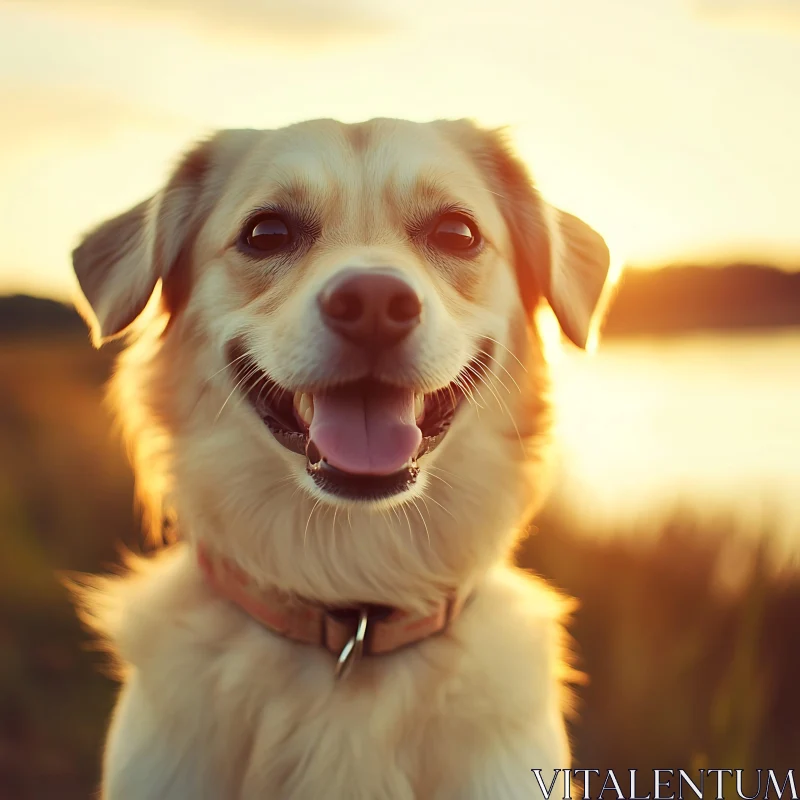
[{"x": 238, "y": 712}]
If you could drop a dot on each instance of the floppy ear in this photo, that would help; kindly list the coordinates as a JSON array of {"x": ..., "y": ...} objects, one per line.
[
  {"x": 556, "y": 254},
  {"x": 119, "y": 263},
  {"x": 577, "y": 280}
]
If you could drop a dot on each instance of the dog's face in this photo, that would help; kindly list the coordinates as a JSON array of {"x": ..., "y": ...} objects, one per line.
[{"x": 349, "y": 321}]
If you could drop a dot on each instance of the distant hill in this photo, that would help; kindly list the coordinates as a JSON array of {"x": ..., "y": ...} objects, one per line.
[
  {"x": 648, "y": 302},
  {"x": 23, "y": 316},
  {"x": 684, "y": 299}
]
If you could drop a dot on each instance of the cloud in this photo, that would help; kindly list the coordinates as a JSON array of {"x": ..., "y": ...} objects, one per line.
[
  {"x": 290, "y": 23},
  {"x": 776, "y": 15},
  {"x": 34, "y": 115}
]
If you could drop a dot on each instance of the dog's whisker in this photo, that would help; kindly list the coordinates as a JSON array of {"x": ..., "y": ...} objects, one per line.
[
  {"x": 263, "y": 380},
  {"x": 488, "y": 375},
  {"x": 273, "y": 390},
  {"x": 510, "y": 352},
  {"x": 308, "y": 522},
  {"x": 427, "y": 507},
  {"x": 446, "y": 510},
  {"x": 467, "y": 387},
  {"x": 440, "y": 478},
  {"x": 227, "y": 366},
  {"x": 452, "y": 394},
  {"x": 297, "y": 489},
  {"x": 333, "y": 528},
  {"x": 437, "y": 468},
  {"x": 484, "y": 384},
  {"x": 425, "y": 524},
  {"x": 468, "y": 390},
  {"x": 476, "y": 381},
  {"x": 408, "y": 522},
  {"x": 387, "y": 517},
  {"x": 479, "y": 383},
  {"x": 245, "y": 377},
  {"x": 505, "y": 369},
  {"x": 260, "y": 383},
  {"x": 507, "y": 411},
  {"x": 487, "y": 384},
  {"x": 394, "y": 510},
  {"x": 479, "y": 375}
]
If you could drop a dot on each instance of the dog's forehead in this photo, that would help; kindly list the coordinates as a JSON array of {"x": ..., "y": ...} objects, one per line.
[{"x": 325, "y": 158}]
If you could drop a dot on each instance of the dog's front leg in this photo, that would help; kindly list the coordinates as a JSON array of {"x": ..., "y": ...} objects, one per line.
[{"x": 151, "y": 755}]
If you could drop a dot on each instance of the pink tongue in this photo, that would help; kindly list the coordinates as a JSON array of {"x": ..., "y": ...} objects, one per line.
[{"x": 370, "y": 432}]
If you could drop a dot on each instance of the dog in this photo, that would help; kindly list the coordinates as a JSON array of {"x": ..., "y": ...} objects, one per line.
[{"x": 336, "y": 400}]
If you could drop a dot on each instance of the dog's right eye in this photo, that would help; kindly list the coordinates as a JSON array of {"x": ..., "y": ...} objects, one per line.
[{"x": 267, "y": 234}]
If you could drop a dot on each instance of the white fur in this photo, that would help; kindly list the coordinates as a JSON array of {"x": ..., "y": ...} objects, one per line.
[{"x": 213, "y": 705}]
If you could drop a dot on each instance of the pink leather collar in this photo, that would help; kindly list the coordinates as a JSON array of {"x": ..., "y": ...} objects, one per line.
[{"x": 348, "y": 633}]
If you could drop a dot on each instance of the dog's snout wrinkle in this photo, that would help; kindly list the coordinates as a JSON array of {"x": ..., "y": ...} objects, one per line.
[{"x": 372, "y": 308}]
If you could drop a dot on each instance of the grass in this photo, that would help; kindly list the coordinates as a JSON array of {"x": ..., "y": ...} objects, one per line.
[
  {"x": 686, "y": 669},
  {"x": 690, "y": 642}
]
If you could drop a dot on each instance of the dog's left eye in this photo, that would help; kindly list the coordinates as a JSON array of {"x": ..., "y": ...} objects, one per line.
[
  {"x": 454, "y": 232},
  {"x": 268, "y": 233}
]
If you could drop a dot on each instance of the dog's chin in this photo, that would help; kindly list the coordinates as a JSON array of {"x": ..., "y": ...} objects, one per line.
[{"x": 288, "y": 416}]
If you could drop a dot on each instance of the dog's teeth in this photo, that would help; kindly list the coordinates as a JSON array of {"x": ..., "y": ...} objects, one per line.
[
  {"x": 307, "y": 414},
  {"x": 419, "y": 406},
  {"x": 304, "y": 405}
]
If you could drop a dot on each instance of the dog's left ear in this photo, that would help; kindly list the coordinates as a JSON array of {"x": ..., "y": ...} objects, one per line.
[
  {"x": 576, "y": 282},
  {"x": 556, "y": 255},
  {"x": 119, "y": 263}
]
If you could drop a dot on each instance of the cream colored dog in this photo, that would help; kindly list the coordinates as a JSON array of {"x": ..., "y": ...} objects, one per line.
[{"x": 338, "y": 399}]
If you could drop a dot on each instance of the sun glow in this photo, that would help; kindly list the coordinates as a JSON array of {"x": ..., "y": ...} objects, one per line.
[{"x": 671, "y": 159}]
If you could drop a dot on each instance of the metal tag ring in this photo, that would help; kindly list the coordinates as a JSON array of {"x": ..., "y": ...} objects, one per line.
[{"x": 354, "y": 648}]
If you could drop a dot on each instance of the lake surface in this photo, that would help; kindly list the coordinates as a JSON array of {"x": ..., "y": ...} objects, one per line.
[{"x": 709, "y": 422}]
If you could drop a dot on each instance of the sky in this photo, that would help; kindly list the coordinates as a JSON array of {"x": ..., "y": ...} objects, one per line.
[{"x": 672, "y": 126}]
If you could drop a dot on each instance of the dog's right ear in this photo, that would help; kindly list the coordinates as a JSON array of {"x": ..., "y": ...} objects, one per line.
[{"x": 119, "y": 263}]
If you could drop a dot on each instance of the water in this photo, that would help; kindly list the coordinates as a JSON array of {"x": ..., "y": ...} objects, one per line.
[{"x": 710, "y": 422}]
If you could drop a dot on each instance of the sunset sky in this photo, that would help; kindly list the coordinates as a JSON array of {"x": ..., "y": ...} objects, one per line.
[{"x": 673, "y": 126}]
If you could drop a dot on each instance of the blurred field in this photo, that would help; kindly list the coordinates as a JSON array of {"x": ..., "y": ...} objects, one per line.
[{"x": 692, "y": 645}]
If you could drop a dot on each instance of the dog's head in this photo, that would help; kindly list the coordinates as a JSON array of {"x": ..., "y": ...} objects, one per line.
[{"x": 348, "y": 325}]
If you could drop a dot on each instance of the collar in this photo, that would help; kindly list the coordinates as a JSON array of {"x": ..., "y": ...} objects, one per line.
[{"x": 349, "y": 633}]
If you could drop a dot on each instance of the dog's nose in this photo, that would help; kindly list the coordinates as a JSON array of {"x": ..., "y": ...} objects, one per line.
[{"x": 373, "y": 308}]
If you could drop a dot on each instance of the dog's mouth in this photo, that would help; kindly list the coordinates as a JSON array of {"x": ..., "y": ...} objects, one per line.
[{"x": 361, "y": 439}]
